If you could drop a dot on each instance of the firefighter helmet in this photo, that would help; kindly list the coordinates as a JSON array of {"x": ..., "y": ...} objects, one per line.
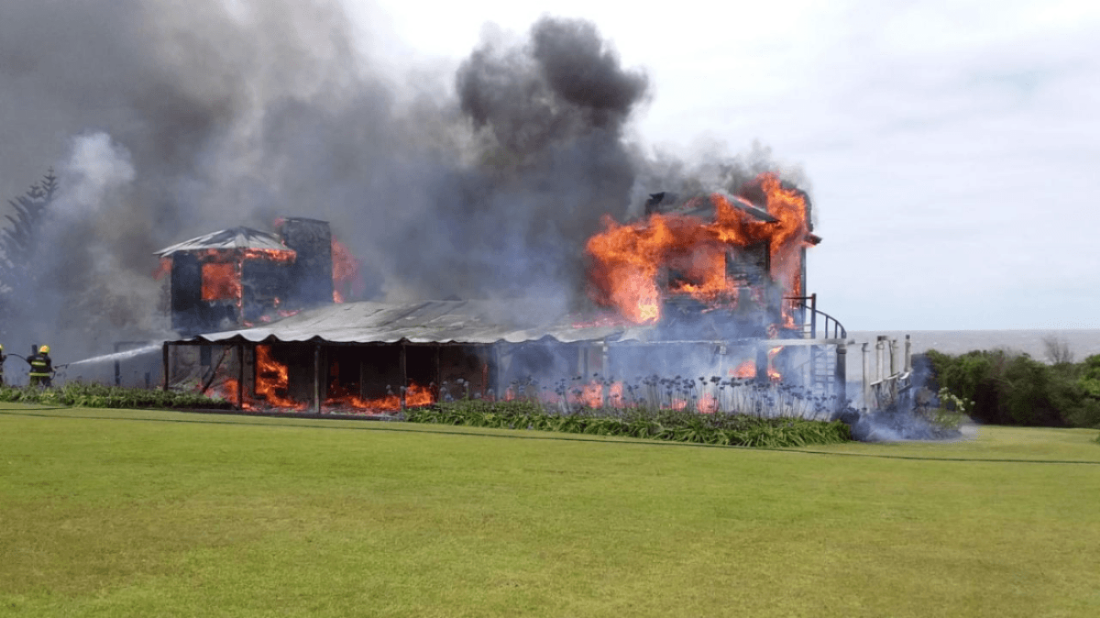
[{"x": 44, "y": 349}]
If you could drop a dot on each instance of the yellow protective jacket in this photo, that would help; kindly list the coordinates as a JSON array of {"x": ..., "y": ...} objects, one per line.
[{"x": 41, "y": 365}]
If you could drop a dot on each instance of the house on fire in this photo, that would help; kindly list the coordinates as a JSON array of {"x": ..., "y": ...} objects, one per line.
[
  {"x": 240, "y": 275},
  {"x": 748, "y": 265},
  {"x": 758, "y": 322}
]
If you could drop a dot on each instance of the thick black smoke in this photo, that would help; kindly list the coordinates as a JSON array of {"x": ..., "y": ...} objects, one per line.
[
  {"x": 565, "y": 84},
  {"x": 548, "y": 118},
  {"x": 175, "y": 98},
  {"x": 175, "y": 118}
]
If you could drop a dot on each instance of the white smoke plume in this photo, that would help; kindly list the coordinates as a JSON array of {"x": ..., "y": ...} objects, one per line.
[{"x": 95, "y": 171}]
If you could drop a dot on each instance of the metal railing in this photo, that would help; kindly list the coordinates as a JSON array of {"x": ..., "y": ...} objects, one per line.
[{"x": 832, "y": 328}]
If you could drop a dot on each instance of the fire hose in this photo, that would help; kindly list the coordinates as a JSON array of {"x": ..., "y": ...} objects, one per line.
[
  {"x": 24, "y": 359},
  {"x": 53, "y": 370}
]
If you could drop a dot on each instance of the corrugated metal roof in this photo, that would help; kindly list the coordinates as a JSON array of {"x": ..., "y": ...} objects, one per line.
[
  {"x": 438, "y": 321},
  {"x": 232, "y": 238}
]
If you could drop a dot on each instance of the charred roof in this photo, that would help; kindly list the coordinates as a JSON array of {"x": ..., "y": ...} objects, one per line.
[
  {"x": 229, "y": 239},
  {"x": 701, "y": 206},
  {"x": 437, "y": 321}
]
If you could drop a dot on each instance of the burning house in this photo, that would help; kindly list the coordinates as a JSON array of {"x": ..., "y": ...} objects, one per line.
[
  {"x": 725, "y": 268},
  {"x": 708, "y": 285},
  {"x": 240, "y": 276}
]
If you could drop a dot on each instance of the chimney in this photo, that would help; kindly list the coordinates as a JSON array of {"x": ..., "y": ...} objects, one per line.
[{"x": 311, "y": 274}]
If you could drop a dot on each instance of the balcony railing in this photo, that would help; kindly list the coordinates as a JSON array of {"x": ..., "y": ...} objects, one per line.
[{"x": 815, "y": 320}]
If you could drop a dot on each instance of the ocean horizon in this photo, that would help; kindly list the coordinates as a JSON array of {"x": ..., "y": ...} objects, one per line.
[{"x": 1081, "y": 342}]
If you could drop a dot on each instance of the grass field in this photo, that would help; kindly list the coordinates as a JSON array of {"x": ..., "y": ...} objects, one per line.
[{"x": 140, "y": 513}]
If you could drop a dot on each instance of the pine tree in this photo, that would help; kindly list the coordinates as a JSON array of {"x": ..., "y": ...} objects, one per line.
[{"x": 18, "y": 246}]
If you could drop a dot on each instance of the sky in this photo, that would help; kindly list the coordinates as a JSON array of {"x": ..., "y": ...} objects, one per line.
[{"x": 952, "y": 148}]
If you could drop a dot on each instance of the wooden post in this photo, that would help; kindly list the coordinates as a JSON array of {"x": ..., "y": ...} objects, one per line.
[
  {"x": 813, "y": 315},
  {"x": 841, "y": 376},
  {"x": 866, "y": 376},
  {"x": 404, "y": 374},
  {"x": 164, "y": 360},
  {"x": 118, "y": 367},
  {"x": 255, "y": 368},
  {"x": 438, "y": 376},
  {"x": 605, "y": 360},
  {"x": 812, "y": 365},
  {"x": 317, "y": 378},
  {"x": 605, "y": 373},
  {"x": 240, "y": 376},
  {"x": 880, "y": 368},
  {"x": 908, "y": 354},
  {"x": 893, "y": 357},
  {"x": 761, "y": 364},
  {"x": 497, "y": 375}
]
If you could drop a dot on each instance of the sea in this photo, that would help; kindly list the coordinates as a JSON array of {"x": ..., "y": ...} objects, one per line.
[{"x": 1081, "y": 343}]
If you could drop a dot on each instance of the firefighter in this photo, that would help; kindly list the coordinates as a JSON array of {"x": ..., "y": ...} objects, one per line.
[{"x": 41, "y": 367}]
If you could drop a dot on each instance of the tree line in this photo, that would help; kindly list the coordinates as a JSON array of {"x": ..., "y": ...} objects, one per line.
[{"x": 1012, "y": 388}]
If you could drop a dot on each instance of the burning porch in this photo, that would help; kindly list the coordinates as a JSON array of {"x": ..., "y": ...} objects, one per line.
[{"x": 380, "y": 358}]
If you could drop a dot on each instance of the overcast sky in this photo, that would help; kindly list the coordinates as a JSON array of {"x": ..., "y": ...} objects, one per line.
[{"x": 953, "y": 148}]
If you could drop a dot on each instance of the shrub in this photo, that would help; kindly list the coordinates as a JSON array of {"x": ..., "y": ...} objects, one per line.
[
  {"x": 90, "y": 395},
  {"x": 638, "y": 422},
  {"x": 951, "y": 412},
  {"x": 1014, "y": 389}
]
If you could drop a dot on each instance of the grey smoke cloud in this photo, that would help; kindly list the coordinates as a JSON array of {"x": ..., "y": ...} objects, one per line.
[{"x": 191, "y": 116}]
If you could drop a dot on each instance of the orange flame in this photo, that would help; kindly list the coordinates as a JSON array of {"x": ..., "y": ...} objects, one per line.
[
  {"x": 773, "y": 373},
  {"x": 163, "y": 268},
  {"x": 415, "y": 396},
  {"x": 615, "y": 395},
  {"x": 592, "y": 394},
  {"x": 271, "y": 390},
  {"x": 284, "y": 256},
  {"x": 707, "y": 404},
  {"x": 221, "y": 269},
  {"x": 630, "y": 261},
  {"x": 347, "y": 282},
  {"x": 221, "y": 281},
  {"x": 272, "y": 379},
  {"x": 746, "y": 369},
  {"x": 228, "y": 390}
]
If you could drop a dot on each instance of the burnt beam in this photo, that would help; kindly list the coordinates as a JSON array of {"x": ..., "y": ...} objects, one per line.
[
  {"x": 402, "y": 361},
  {"x": 240, "y": 376},
  {"x": 317, "y": 378},
  {"x": 164, "y": 360}
]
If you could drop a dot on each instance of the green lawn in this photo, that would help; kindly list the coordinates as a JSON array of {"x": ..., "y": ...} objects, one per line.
[{"x": 141, "y": 513}]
